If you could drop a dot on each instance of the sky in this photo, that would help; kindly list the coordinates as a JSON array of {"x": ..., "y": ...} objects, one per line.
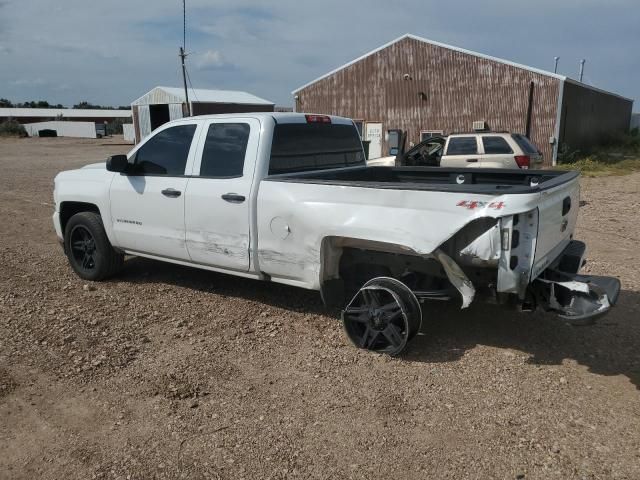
[{"x": 111, "y": 52}]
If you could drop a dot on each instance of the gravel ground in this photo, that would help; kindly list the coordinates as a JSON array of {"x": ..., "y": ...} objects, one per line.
[{"x": 171, "y": 372}]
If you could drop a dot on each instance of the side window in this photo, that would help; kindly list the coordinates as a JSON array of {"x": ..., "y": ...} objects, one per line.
[
  {"x": 224, "y": 150},
  {"x": 165, "y": 153},
  {"x": 462, "y": 146},
  {"x": 524, "y": 143},
  {"x": 495, "y": 145}
]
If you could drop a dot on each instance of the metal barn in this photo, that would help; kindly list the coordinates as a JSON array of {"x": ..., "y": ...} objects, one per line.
[
  {"x": 163, "y": 104},
  {"x": 428, "y": 88}
]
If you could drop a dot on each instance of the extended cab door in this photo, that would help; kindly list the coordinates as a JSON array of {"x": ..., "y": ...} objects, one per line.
[
  {"x": 218, "y": 199},
  {"x": 147, "y": 202}
]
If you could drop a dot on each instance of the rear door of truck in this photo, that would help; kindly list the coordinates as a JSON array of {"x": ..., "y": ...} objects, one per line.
[
  {"x": 557, "y": 217},
  {"x": 217, "y": 201}
]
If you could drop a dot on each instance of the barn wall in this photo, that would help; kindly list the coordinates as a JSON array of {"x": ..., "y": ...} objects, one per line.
[
  {"x": 136, "y": 123},
  {"x": 458, "y": 89},
  {"x": 590, "y": 116},
  {"x": 63, "y": 128},
  {"x": 144, "y": 121},
  {"x": 128, "y": 133}
]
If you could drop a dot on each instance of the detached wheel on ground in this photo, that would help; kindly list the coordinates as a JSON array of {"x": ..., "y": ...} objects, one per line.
[
  {"x": 383, "y": 316},
  {"x": 88, "y": 249}
]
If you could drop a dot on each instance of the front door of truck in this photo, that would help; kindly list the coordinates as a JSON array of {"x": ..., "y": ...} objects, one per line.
[
  {"x": 147, "y": 202},
  {"x": 218, "y": 209}
]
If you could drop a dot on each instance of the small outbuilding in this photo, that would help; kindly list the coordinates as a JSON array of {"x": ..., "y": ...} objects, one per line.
[
  {"x": 429, "y": 88},
  {"x": 163, "y": 104}
]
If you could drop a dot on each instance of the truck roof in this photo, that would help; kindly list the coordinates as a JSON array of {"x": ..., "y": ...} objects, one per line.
[{"x": 279, "y": 117}]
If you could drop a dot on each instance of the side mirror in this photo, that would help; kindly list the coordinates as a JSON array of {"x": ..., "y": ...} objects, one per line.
[{"x": 117, "y": 163}]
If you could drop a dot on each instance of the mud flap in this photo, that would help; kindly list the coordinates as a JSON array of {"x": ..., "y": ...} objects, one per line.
[{"x": 578, "y": 299}]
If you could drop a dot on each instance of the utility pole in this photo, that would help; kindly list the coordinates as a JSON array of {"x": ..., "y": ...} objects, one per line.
[
  {"x": 183, "y": 56},
  {"x": 555, "y": 68},
  {"x": 184, "y": 79},
  {"x": 582, "y": 68}
]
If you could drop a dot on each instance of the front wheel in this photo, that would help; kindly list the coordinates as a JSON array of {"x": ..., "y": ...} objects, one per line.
[
  {"x": 383, "y": 316},
  {"x": 88, "y": 249}
]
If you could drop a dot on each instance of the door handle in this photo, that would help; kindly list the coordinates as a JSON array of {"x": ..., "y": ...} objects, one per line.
[
  {"x": 171, "y": 192},
  {"x": 233, "y": 198},
  {"x": 472, "y": 160}
]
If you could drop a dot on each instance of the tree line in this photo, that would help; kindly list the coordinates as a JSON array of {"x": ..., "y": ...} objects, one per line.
[{"x": 5, "y": 103}]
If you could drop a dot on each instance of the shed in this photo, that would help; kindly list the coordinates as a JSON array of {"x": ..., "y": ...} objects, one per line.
[
  {"x": 163, "y": 104},
  {"x": 428, "y": 88}
]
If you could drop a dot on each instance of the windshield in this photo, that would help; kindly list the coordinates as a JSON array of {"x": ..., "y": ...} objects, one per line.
[{"x": 299, "y": 147}]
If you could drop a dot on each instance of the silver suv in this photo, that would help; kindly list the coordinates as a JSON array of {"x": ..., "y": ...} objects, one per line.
[
  {"x": 476, "y": 150},
  {"x": 490, "y": 150}
]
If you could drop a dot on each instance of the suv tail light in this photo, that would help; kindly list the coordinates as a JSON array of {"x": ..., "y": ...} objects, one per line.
[
  {"x": 318, "y": 119},
  {"x": 523, "y": 161}
]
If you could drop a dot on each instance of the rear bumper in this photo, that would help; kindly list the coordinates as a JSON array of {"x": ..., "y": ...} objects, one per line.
[{"x": 578, "y": 299}]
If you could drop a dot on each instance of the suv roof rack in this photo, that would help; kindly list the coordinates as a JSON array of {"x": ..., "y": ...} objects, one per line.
[{"x": 479, "y": 132}]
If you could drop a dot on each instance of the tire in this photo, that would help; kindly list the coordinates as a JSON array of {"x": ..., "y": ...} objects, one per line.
[{"x": 88, "y": 249}]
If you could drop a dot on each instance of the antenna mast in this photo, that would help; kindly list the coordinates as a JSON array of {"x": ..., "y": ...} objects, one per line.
[{"x": 183, "y": 55}]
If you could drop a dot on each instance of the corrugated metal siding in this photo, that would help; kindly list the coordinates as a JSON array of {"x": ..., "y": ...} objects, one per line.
[
  {"x": 63, "y": 128},
  {"x": 144, "y": 121},
  {"x": 158, "y": 96},
  {"x": 136, "y": 123},
  {"x": 458, "y": 88},
  {"x": 175, "y": 111},
  {"x": 590, "y": 116},
  {"x": 128, "y": 133}
]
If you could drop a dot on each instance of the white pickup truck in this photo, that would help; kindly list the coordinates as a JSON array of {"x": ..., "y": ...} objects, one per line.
[{"x": 288, "y": 198}]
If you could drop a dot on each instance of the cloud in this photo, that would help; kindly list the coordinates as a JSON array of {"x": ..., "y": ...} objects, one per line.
[
  {"x": 113, "y": 52},
  {"x": 211, "y": 60},
  {"x": 28, "y": 82}
]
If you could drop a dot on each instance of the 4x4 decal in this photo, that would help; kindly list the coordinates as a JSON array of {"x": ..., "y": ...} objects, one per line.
[{"x": 473, "y": 204}]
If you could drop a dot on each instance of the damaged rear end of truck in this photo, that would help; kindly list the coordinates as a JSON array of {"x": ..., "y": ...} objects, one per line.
[
  {"x": 530, "y": 259},
  {"x": 496, "y": 236}
]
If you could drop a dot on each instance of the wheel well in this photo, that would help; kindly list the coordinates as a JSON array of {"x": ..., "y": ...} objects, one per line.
[
  {"x": 69, "y": 209},
  {"x": 348, "y": 263}
]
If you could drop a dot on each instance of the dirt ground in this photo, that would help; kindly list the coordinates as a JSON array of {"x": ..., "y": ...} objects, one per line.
[{"x": 172, "y": 372}]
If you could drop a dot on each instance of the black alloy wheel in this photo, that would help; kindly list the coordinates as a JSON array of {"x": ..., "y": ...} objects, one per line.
[
  {"x": 83, "y": 248},
  {"x": 88, "y": 249},
  {"x": 383, "y": 316}
]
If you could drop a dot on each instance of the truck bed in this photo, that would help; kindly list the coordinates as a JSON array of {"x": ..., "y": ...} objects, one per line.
[{"x": 459, "y": 180}]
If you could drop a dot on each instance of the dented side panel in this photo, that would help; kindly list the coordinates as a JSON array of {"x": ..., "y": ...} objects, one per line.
[
  {"x": 418, "y": 222},
  {"x": 218, "y": 232}
]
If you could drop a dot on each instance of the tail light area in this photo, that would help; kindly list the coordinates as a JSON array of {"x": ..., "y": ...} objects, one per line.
[
  {"x": 318, "y": 118},
  {"x": 523, "y": 161}
]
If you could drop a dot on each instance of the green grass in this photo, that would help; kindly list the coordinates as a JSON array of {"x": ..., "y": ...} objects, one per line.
[
  {"x": 619, "y": 155},
  {"x": 594, "y": 167}
]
